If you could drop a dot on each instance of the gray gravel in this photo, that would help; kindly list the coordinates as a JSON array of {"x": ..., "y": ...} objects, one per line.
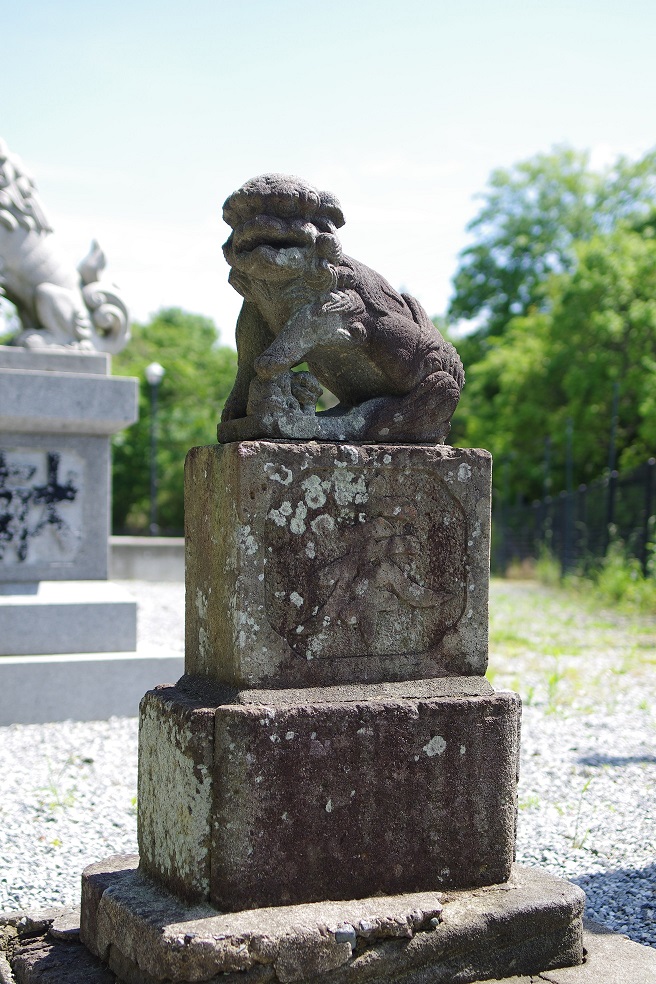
[{"x": 587, "y": 799}]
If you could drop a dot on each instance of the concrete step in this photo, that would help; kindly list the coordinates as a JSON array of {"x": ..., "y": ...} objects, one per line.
[
  {"x": 82, "y": 686},
  {"x": 609, "y": 959}
]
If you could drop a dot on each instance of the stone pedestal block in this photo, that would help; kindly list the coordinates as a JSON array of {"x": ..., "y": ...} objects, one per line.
[
  {"x": 57, "y": 412},
  {"x": 312, "y": 564},
  {"x": 531, "y": 923},
  {"x": 282, "y": 798},
  {"x": 55, "y": 425},
  {"x": 56, "y": 392}
]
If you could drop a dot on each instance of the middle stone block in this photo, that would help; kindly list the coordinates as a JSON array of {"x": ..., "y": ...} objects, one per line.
[{"x": 334, "y": 793}]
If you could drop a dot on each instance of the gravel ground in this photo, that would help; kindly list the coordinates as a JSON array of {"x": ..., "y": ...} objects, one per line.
[{"x": 587, "y": 797}]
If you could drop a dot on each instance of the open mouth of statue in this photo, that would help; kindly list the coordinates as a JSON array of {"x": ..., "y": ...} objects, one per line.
[{"x": 271, "y": 234}]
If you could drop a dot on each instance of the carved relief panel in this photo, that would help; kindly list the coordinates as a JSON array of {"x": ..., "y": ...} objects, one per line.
[{"x": 364, "y": 563}]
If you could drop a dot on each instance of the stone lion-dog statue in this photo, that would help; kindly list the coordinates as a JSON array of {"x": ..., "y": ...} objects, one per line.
[
  {"x": 57, "y": 306},
  {"x": 377, "y": 351}
]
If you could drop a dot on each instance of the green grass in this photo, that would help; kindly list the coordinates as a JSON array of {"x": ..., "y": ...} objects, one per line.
[{"x": 565, "y": 650}]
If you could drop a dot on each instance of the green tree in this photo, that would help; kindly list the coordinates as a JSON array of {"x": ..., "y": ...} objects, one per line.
[
  {"x": 531, "y": 219},
  {"x": 199, "y": 376},
  {"x": 604, "y": 333},
  {"x": 598, "y": 330}
]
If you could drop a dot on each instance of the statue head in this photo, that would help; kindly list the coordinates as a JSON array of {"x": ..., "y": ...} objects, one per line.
[{"x": 283, "y": 229}]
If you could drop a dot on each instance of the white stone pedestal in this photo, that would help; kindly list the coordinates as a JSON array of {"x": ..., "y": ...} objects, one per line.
[{"x": 57, "y": 412}]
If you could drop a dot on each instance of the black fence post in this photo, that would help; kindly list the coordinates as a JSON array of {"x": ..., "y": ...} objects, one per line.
[
  {"x": 612, "y": 456},
  {"x": 581, "y": 548},
  {"x": 649, "y": 506},
  {"x": 610, "y": 506},
  {"x": 568, "y": 516}
]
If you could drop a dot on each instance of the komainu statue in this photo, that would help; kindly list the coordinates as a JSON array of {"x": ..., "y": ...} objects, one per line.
[
  {"x": 377, "y": 351},
  {"x": 56, "y": 305}
]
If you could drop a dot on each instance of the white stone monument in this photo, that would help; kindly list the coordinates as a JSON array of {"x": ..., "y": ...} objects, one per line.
[
  {"x": 59, "y": 407},
  {"x": 57, "y": 412}
]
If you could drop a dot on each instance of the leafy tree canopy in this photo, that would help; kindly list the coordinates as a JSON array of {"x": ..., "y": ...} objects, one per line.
[
  {"x": 531, "y": 219},
  {"x": 597, "y": 330},
  {"x": 198, "y": 378}
]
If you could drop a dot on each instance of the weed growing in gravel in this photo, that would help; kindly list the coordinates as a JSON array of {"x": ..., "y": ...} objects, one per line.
[
  {"x": 553, "y": 680},
  {"x": 547, "y": 569},
  {"x": 59, "y": 793},
  {"x": 578, "y": 838},
  {"x": 56, "y": 796}
]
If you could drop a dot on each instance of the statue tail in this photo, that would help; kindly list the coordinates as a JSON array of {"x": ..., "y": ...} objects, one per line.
[{"x": 450, "y": 359}]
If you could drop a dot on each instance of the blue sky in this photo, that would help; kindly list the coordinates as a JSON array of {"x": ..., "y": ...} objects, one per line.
[{"x": 139, "y": 118}]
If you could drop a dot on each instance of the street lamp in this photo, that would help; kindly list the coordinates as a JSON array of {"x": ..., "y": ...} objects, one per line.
[{"x": 154, "y": 374}]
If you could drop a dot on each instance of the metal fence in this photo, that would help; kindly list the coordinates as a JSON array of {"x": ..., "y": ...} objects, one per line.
[{"x": 577, "y": 527}]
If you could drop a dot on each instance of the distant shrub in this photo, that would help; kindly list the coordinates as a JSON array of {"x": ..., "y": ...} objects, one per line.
[{"x": 617, "y": 580}]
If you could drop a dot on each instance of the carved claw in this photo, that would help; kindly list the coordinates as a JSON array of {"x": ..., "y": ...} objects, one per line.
[{"x": 341, "y": 301}]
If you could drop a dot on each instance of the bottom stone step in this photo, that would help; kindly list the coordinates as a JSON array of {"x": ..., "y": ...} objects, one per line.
[{"x": 529, "y": 924}]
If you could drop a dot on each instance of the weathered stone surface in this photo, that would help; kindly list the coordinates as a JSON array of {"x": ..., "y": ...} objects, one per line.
[
  {"x": 375, "y": 349},
  {"x": 313, "y": 564},
  {"x": 608, "y": 959},
  {"x": 176, "y": 753},
  {"x": 66, "y": 925},
  {"x": 526, "y": 925},
  {"x": 97, "y": 878},
  {"x": 305, "y": 798},
  {"x": 270, "y": 800},
  {"x": 470, "y": 686},
  {"x": 54, "y": 962}
]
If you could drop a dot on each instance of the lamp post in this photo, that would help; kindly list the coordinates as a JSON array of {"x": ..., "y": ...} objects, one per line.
[{"x": 154, "y": 374}]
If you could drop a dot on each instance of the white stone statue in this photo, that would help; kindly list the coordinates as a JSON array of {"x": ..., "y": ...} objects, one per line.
[{"x": 57, "y": 306}]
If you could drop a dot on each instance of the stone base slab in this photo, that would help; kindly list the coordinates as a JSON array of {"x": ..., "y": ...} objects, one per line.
[
  {"x": 41, "y": 956},
  {"x": 66, "y": 617},
  {"x": 147, "y": 936},
  {"x": 146, "y": 558},
  {"x": 283, "y": 797}
]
